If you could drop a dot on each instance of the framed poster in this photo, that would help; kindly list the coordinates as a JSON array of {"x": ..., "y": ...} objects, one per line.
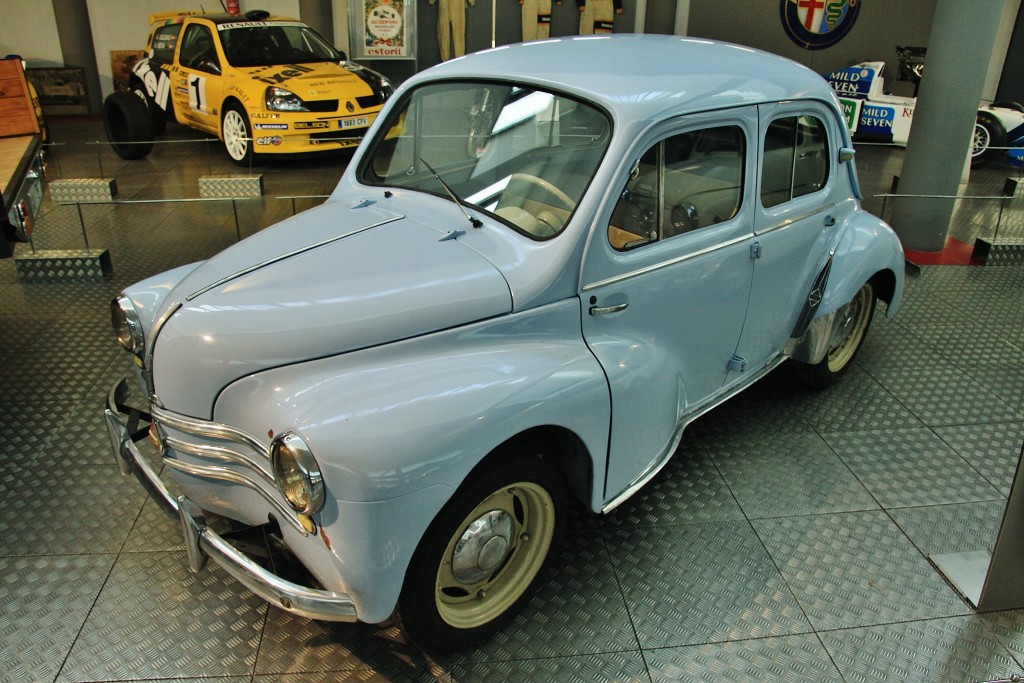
[
  {"x": 121, "y": 63},
  {"x": 61, "y": 90},
  {"x": 382, "y": 29}
]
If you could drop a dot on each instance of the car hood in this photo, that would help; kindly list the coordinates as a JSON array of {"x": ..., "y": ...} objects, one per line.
[
  {"x": 313, "y": 81},
  {"x": 328, "y": 281}
]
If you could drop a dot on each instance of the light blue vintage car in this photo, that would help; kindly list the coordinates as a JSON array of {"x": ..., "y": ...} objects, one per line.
[{"x": 544, "y": 261}]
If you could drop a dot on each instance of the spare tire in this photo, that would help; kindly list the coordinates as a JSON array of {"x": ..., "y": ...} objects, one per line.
[{"x": 128, "y": 124}]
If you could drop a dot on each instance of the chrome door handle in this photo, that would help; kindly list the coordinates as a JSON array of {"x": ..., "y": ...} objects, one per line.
[{"x": 604, "y": 310}]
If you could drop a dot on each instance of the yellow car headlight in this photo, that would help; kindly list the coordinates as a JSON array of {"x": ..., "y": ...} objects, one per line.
[
  {"x": 297, "y": 473},
  {"x": 279, "y": 99}
]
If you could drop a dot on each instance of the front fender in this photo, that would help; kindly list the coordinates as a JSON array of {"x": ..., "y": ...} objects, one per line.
[{"x": 394, "y": 422}]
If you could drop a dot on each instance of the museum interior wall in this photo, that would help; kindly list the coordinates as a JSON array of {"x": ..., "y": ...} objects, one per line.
[{"x": 30, "y": 29}]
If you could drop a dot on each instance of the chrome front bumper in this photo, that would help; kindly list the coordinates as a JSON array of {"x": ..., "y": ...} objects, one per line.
[{"x": 202, "y": 542}]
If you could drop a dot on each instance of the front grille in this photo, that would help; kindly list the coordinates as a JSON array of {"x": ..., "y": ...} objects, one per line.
[
  {"x": 367, "y": 101},
  {"x": 222, "y": 453},
  {"x": 338, "y": 135},
  {"x": 322, "y": 106}
]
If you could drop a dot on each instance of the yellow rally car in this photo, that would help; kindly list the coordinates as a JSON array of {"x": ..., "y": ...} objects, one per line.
[{"x": 262, "y": 84}]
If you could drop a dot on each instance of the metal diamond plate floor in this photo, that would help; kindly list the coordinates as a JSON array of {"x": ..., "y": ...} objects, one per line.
[{"x": 787, "y": 541}]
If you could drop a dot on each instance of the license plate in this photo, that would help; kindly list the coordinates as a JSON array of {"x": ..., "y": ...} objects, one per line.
[{"x": 358, "y": 122}]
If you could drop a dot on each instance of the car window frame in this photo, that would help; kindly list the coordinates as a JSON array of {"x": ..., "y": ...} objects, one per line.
[
  {"x": 826, "y": 154},
  {"x": 661, "y": 176}
]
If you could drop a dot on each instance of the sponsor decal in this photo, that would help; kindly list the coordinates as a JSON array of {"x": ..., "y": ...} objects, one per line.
[
  {"x": 817, "y": 24},
  {"x": 851, "y": 112},
  {"x": 876, "y": 119},
  {"x": 256, "y": 24},
  {"x": 274, "y": 140},
  {"x": 851, "y": 82},
  {"x": 262, "y": 115},
  {"x": 306, "y": 125},
  {"x": 272, "y": 126},
  {"x": 283, "y": 75}
]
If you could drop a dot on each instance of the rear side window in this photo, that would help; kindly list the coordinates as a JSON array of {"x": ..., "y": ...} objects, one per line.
[
  {"x": 795, "y": 160},
  {"x": 683, "y": 183},
  {"x": 165, "y": 39}
]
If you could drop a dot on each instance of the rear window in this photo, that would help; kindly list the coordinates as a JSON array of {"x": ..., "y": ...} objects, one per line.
[{"x": 165, "y": 39}]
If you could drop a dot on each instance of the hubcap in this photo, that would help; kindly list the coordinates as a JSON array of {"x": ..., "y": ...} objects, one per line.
[
  {"x": 483, "y": 548},
  {"x": 494, "y": 555}
]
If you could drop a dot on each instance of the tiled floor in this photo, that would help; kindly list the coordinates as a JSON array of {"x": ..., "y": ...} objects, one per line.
[{"x": 787, "y": 541}]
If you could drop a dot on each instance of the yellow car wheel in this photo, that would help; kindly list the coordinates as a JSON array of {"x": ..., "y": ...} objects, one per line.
[{"x": 237, "y": 135}]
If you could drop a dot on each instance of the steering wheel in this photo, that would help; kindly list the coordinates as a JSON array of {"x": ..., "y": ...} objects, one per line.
[{"x": 562, "y": 197}]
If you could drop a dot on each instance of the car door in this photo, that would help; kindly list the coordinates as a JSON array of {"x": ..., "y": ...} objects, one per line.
[
  {"x": 197, "y": 78},
  {"x": 665, "y": 284},
  {"x": 794, "y": 217}
]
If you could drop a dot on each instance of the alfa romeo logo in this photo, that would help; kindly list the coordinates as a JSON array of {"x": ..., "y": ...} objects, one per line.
[{"x": 817, "y": 24}]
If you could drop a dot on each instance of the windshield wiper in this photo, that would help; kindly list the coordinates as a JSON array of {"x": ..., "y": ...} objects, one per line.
[{"x": 475, "y": 222}]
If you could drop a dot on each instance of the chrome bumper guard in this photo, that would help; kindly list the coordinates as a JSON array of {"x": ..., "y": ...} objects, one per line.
[{"x": 202, "y": 542}]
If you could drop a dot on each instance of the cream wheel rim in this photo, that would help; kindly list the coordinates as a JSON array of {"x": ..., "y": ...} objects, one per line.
[
  {"x": 856, "y": 325},
  {"x": 494, "y": 555}
]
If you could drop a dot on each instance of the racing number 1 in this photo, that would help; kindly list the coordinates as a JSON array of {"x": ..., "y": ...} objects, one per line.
[{"x": 197, "y": 92}]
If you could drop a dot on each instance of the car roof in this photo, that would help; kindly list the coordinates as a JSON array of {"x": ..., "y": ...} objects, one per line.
[{"x": 640, "y": 76}]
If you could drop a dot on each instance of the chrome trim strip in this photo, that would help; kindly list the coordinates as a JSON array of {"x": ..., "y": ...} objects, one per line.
[
  {"x": 790, "y": 221},
  {"x": 219, "y": 453},
  {"x": 224, "y": 474},
  {"x": 664, "y": 264},
  {"x": 151, "y": 342},
  {"x": 295, "y": 252},
  {"x": 659, "y": 462},
  {"x": 208, "y": 429},
  {"x": 301, "y": 600},
  {"x": 306, "y": 602}
]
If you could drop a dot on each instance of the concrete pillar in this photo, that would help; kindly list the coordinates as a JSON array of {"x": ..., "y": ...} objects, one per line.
[
  {"x": 947, "y": 104},
  {"x": 317, "y": 13},
  {"x": 76, "y": 44}
]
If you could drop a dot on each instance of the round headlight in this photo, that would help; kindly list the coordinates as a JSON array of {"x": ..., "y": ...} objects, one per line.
[
  {"x": 297, "y": 473},
  {"x": 127, "y": 326}
]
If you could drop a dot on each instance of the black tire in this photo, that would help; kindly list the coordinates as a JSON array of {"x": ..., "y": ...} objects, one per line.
[
  {"x": 157, "y": 121},
  {"x": 1016, "y": 106},
  {"x": 837, "y": 360},
  {"x": 236, "y": 134},
  {"x": 128, "y": 125},
  {"x": 483, "y": 554},
  {"x": 989, "y": 139}
]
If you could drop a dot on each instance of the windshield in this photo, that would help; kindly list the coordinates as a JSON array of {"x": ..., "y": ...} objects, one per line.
[
  {"x": 273, "y": 42},
  {"x": 523, "y": 155}
]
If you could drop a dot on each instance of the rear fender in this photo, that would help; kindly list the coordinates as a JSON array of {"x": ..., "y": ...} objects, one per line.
[{"x": 868, "y": 250}]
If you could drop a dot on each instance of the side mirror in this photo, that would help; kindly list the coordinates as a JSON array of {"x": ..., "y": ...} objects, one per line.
[{"x": 344, "y": 57}]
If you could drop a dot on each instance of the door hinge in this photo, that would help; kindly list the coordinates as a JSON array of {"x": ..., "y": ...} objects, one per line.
[
  {"x": 737, "y": 364},
  {"x": 755, "y": 250}
]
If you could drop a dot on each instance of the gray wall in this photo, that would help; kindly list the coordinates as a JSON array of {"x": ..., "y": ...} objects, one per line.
[{"x": 880, "y": 27}]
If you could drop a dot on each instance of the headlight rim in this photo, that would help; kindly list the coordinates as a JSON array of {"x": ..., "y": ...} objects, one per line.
[
  {"x": 304, "y": 463},
  {"x": 125, "y": 317}
]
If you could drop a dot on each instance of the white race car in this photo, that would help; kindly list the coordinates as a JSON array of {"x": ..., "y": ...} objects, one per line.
[{"x": 876, "y": 116}]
